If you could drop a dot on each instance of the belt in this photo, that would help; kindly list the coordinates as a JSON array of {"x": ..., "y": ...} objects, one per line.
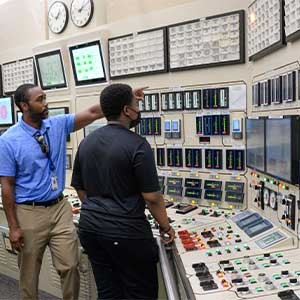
[{"x": 45, "y": 203}]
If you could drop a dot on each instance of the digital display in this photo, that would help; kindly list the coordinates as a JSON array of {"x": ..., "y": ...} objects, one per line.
[
  {"x": 233, "y": 186},
  {"x": 212, "y": 185},
  {"x": 236, "y": 124},
  {"x": 50, "y": 70},
  {"x": 192, "y": 182},
  {"x": 255, "y": 133},
  {"x": 192, "y": 193},
  {"x": 174, "y": 181},
  {"x": 87, "y": 63},
  {"x": 175, "y": 126},
  {"x": 234, "y": 197},
  {"x": 167, "y": 126},
  {"x": 174, "y": 190},
  {"x": 213, "y": 195},
  {"x": 6, "y": 111},
  {"x": 278, "y": 148}
]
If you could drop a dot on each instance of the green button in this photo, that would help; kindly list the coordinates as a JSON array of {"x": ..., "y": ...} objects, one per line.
[
  {"x": 259, "y": 258},
  {"x": 228, "y": 226},
  {"x": 236, "y": 234},
  {"x": 252, "y": 280},
  {"x": 279, "y": 255},
  {"x": 276, "y": 276},
  {"x": 238, "y": 262},
  {"x": 246, "y": 246},
  {"x": 284, "y": 285},
  {"x": 297, "y": 273},
  {"x": 243, "y": 269},
  {"x": 286, "y": 261},
  {"x": 259, "y": 289},
  {"x": 208, "y": 252},
  {"x": 227, "y": 249},
  {"x": 266, "y": 265}
]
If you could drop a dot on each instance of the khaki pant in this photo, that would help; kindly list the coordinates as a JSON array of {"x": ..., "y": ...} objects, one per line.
[{"x": 48, "y": 226}]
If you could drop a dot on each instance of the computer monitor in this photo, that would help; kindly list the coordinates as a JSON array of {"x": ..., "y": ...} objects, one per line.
[
  {"x": 51, "y": 70},
  {"x": 255, "y": 133},
  {"x": 7, "y": 117},
  {"x": 87, "y": 63},
  {"x": 282, "y": 148}
]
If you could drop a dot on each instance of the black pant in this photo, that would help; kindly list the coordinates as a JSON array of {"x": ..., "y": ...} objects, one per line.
[{"x": 123, "y": 269}]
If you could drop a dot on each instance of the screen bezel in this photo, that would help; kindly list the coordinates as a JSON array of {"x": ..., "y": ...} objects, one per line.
[
  {"x": 12, "y": 112},
  {"x": 47, "y": 54},
  {"x": 87, "y": 81}
]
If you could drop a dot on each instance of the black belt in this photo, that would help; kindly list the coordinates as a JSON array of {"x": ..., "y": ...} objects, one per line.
[{"x": 45, "y": 203}]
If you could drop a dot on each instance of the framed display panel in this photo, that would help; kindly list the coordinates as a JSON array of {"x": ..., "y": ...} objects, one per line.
[
  {"x": 56, "y": 111},
  {"x": 138, "y": 54},
  {"x": 255, "y": 141},
  {"x": 7, "y": 114},
  {"x": 92, "y": 127},
  {"x": 51, "y": 71},
  {"x": 282, "y": 148},
  {"x": 87, "y": 63},
  {"x": 18, "y": 72},
  {"x": 211, "y": 41},
  {"x": 292, "y": 20},
  {"x": 265, "y": 27}
]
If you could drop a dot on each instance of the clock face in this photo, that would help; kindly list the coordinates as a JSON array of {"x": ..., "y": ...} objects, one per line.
[
  {"x": 81, "y": 12},
  {"x": 58, "y": 17}
]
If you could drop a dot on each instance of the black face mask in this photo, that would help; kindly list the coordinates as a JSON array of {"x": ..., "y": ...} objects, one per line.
[{"x": 135, "y": 122}]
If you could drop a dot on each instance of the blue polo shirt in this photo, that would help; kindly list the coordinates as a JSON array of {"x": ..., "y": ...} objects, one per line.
[{"x": 21, "y": 157}]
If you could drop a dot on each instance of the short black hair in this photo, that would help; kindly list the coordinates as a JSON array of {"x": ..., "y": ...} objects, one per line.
[
  {"x": 21, "y": 94},
  {"x": 113, "y": 99}
]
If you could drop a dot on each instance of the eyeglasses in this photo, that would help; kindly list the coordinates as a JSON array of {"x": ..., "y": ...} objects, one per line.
[{"x": 41, "y": 141}]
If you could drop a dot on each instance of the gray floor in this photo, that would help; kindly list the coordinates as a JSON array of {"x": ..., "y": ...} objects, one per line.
[{"x": 9, "y": 290}]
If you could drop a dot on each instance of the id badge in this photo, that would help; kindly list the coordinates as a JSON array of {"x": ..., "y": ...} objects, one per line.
[{"x": 54, "y": 184}]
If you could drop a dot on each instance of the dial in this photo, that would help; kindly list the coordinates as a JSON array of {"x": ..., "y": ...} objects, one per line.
[
  {"x": 273, "y": 200},
  {"x": 58, "y": 17},
  {"x": 266, "y": 196},
  {"x": 81, "y": 12}
]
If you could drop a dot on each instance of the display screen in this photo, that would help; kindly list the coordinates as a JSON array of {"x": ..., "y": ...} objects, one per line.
[
  {"x": 192, "y": 182},
  {"x": 278, "y": 148},
  {"x": 6, "y": 111},
  {"x": 174, "y": 191},
  {"x": 212, "y": 185},
  {"x": 236, "y": 125},
  {"x": 174, "y": 181},
  {"x": 232, "y": 186},
  {"x": 87, "y": 63},
  {"x": 192, "y": 193},
  {"x": 213, "y": 195},
  {"x": 255, "y": 132},
  {"x": 50, "y": 70},
  {"x": 234, "y": 197}
]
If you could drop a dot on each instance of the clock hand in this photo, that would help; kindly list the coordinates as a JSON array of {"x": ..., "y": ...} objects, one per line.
[{"x": 83, "y": 5}]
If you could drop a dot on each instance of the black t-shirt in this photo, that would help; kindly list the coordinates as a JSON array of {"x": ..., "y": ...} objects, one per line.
[{"x": 114, "y": 166}]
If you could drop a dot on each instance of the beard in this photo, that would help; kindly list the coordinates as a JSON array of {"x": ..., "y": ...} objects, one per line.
[{"x": 38, "y": 116}]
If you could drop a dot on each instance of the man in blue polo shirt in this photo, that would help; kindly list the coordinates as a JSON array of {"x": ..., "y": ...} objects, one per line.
[{"x": 32, "y": 173}]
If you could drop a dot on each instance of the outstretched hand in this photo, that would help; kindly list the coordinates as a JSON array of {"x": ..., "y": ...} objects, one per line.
[{"x": 139, "y": 93}]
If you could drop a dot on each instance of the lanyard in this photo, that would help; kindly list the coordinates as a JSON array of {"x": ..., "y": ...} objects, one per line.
[{"x": 47, "y": 152}]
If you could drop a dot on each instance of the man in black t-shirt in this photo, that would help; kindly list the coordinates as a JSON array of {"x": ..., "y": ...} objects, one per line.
[{"x": 115, "y": 176}]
